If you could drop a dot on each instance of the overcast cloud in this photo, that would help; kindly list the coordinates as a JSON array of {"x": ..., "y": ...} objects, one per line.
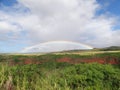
[{"x": 49, "y": 20}]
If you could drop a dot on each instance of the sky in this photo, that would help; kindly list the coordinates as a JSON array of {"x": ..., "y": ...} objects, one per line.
[{"x": 25, "y": 23}]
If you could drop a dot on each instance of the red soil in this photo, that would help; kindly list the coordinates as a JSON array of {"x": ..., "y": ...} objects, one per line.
[
  {"x": 28, "y": 61},
  {"x": 92, "y": 60},
  {"x": 98, "y": 60},
  {"x": 65, "y": 59},
  {"x": 105, "y": 60},
  {"x": 31, "y": 61}
]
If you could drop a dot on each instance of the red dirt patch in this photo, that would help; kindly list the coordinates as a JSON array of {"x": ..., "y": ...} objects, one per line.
[
  {"x": 31, "y": 61},
  {"x": 65, "y": 59},
  {"x": 98, "y": 60},
  {"x": 28, "y": 61},
  {"x": 105, "y": 60},
  {"x": 92, "y": 60}
]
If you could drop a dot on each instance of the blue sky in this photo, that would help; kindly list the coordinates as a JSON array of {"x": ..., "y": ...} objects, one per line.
[
  {"x": 110, "y": 6},
  {"x": 8, "y": 2},
  {"x": 24, "y": 23}
]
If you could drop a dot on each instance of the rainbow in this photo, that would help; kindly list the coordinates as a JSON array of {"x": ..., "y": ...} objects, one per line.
[
  {"x": 53, "y": 46},
  {"x": 65, "y": 41}
]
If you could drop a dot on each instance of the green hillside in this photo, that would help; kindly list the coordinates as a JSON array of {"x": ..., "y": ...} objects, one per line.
[{"x": 99, "y": 71}]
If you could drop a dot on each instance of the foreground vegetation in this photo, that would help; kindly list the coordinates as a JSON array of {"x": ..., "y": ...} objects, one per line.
[
  {"x": 21, "y": 59},
  {"x": 60, "y": 76},
  {"x": 17, "y": 74}
]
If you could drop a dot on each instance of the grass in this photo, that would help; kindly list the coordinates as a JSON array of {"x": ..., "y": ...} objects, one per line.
[
  {"x": 60, "y": 76},
  {"x": 52, "y": 75}
]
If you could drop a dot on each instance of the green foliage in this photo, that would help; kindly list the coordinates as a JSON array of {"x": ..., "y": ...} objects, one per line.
[
  {"x": 17, "y": 59},
  {"x": 61, "y": 76},
  {"x": 94, "y": 76},
  {"x": 51, "y": 75}
]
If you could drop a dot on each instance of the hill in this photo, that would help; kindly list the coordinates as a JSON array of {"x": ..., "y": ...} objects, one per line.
[{"x": 111, "y": 48}]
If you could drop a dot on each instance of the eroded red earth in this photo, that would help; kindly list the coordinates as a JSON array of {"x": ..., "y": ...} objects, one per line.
[
  {"x": 104, "y": 60},
  {"x": 92, "y": 60}
]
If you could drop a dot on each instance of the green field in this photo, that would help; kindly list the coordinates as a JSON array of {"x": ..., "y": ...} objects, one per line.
[{"x": 60, "y": 71}]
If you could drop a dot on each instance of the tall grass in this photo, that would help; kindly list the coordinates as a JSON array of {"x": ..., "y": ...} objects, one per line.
[{"x": 59, "y": 76}]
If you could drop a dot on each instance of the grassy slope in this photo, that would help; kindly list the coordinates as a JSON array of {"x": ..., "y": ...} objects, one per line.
[{"x": 59, "y": 76}]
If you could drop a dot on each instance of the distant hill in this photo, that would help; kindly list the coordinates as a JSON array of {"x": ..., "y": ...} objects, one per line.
[
  {"x": 76, "y": 50},
  {"x": 111, "y": 48}
]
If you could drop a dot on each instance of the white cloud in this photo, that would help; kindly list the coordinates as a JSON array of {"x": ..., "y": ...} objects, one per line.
[
  {"x": 73, "y": 20},
  {"x": 8, "y": 30}
]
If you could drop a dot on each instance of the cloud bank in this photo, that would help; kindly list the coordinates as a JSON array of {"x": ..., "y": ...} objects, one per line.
[{"x": 48, "y": 20}]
